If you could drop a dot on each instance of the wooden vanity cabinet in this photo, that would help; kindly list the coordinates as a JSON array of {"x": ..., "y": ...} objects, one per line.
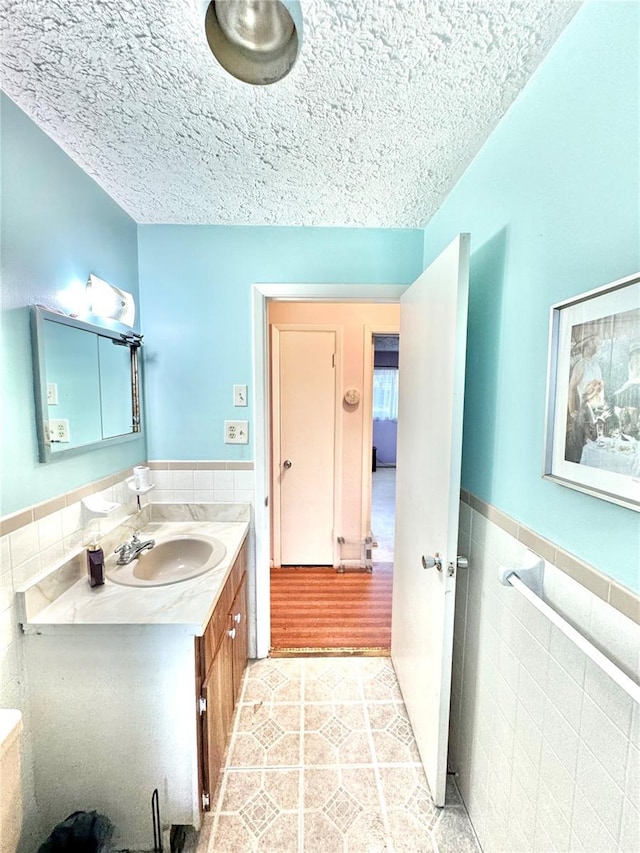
[
  {"x": 221, "y": 657},
  {"x": 115, "y": 710}
]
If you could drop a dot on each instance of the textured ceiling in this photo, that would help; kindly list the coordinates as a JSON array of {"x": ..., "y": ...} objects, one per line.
[{"x": 388, "y": 103}]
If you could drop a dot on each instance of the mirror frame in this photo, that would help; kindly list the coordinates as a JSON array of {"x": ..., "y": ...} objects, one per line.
[{"x": 133, "y": 340}]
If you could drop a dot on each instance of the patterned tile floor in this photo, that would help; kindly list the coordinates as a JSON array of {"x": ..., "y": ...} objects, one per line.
[{"x": 322, "y": 758}]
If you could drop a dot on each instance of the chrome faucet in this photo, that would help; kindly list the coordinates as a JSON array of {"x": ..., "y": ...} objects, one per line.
[{"x": 130, "y": 551}]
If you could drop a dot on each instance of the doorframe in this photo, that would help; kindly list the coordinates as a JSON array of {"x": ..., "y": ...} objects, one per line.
[
  {"x": 367, "y": 414},
  {"x": 292, "y": 292},
  {"x": 274, "y": 409}
]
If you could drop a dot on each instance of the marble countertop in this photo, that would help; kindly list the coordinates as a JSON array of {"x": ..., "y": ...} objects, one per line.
[{"x": 187, "y": 605}]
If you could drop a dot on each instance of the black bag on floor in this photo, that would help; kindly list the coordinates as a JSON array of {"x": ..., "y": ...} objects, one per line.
[{"x": 81, "y": 832}]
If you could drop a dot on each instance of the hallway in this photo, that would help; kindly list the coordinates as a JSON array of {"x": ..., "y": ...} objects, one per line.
[
  {"x": 318, "y": 609},
  {"x": 383, "y": 513},
  {"x": 322, "y": 758}
]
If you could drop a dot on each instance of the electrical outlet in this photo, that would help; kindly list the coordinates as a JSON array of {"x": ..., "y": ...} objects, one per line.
[
  {"x": 236, "y": 432},
  {"x": 52, "y": 394},
  {"x": 59, "y": 429},
  {"x": 239, "y": 395}
]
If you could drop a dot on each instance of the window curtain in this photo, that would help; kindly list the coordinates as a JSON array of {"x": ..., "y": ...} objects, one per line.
[{"x": 385, "y": 394}]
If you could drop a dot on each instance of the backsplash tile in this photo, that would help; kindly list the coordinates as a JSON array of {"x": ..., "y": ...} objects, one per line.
[
  {"x": 15, "y": 521},
  {"x": 183, "y": 480},
  {"x": 45, "y": 509},
  {"x": 223, "y": 480},
  {"x": 50, "y": 530},
  {"x": 182, "y": 496},
  {"x": 23, "y": 544},
  {"x": 201, "y": 482},
  {"x": 243, "y": 480}
]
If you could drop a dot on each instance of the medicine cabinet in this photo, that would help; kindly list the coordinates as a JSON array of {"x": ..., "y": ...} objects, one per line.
[{"x": 87, "y": 384}]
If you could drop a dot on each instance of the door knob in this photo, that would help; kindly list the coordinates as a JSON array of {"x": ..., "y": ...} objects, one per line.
[
  {"x": 429, "y": 562},
  {"x": 462, "y": 562},
  {"x": 286, "y": 464}
]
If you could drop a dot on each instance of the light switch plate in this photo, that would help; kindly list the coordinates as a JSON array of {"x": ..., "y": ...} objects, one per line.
[
  {"x": 236, "y": 432},
  {"x": 239, "y": 395},
  {"x": 52, "y": 394}
]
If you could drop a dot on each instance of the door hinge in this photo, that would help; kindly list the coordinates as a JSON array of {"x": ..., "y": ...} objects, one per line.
[
  {"x": 333, "y": 360},
  {"x": 202, "y": 705},
  {"x": 206, "y": 802}
]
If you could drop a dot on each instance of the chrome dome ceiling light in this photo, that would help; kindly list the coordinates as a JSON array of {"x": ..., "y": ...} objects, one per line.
[{"x": 257, "y": 41}]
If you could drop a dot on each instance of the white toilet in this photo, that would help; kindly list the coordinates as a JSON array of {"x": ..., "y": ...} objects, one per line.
[{"x": 10, "y": 783}]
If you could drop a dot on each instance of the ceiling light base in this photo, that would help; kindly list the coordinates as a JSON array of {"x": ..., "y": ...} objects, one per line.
[{"x": 256, "y": 41}]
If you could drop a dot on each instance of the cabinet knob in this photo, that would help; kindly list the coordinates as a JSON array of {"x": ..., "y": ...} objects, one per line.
[
  {"x": 237, "y": 618},
  {"x": 232, "y": 633}
]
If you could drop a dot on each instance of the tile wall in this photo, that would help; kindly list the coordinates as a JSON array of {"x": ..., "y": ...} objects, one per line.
[
  {"x": 202, "y": 482},
  {"x": 546, "y": 747},
  {"x": 38, "y": 538}
]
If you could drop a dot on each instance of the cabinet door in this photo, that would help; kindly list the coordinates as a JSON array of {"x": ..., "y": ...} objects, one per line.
[
  {"x": 217, "y": 626},
  {"x": 218, "y": 694},
  {"x": 240, "y": 641}
]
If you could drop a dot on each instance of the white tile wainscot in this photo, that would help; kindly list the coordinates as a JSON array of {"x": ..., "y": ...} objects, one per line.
[
  {"x": 111, "y": 683},
  {"x": 544, "y": 744},
  {"x": 202, "y": 482}
]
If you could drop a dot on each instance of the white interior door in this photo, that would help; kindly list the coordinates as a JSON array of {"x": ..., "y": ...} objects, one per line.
[
  {"x": 304, "y": 452},
  {"x": 433, "y": 323}
]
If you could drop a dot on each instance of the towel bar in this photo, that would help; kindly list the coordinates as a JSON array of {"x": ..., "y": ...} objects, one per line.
[{"x": 509, "y": 577}]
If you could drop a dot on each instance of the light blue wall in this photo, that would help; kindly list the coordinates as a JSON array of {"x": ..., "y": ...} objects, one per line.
[
  {"x": 552, "y": 203},
  {"x": 196, "y": 290},
  {"x": 57, "y": 226}
]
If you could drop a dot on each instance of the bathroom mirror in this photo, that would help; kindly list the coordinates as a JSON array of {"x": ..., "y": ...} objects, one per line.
[{"x": 87, "y": 384}]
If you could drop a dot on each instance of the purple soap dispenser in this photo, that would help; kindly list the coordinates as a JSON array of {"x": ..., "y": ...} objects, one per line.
[{"x": 95, "y": 564}]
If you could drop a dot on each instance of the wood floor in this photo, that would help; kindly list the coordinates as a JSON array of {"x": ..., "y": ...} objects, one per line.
[{"x": 318, "y": 609}]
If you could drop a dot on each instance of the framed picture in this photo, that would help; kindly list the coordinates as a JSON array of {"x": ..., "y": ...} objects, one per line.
[{"x": 593, "y": 393}]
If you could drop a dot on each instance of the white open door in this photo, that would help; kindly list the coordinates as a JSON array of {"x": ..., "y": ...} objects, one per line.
[{"x": 433, "y": 327}]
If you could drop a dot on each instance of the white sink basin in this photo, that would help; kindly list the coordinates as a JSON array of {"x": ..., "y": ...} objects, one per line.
[{"x": 172, "y": 560}]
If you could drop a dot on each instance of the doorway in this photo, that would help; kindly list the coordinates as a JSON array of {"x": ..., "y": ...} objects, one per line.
[
  {"x": 434, "y": 318},
  {"x": 385, "y": 384},
  {"x": 311, "y": 608}
]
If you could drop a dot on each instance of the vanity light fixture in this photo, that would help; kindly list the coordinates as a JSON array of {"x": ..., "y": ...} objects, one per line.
[
  {"x": 107, "y": 301},
  {"x": 73, "y": 298},
  {"x": 256, "y": 41}
]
